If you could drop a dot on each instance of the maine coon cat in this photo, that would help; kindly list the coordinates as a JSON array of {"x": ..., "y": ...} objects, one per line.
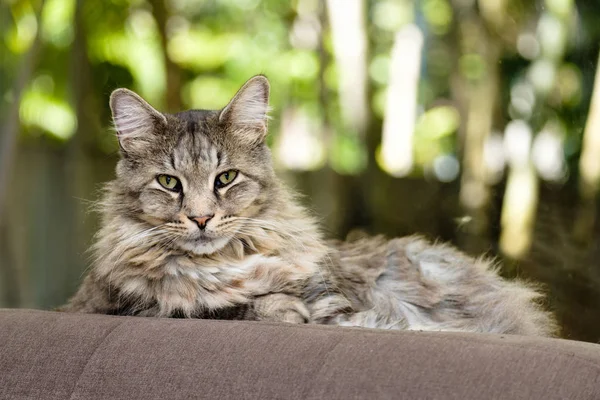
[{"x": 196, "y": 224}]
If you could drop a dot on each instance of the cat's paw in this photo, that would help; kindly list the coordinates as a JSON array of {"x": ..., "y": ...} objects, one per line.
[{"x": 281, "y": 307}]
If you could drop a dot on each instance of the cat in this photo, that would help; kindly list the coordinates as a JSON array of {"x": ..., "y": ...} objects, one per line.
[{"x": 197, "y": 225}]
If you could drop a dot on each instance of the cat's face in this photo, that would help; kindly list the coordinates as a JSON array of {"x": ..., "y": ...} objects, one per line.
[{"x": 199, "y": 177}]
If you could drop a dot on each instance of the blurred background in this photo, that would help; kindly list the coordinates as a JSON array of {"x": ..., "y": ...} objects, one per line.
[{"x": 470, "y": 121}]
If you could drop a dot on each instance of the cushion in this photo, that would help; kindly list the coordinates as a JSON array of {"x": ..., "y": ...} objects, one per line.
[{"x": 50, "y": 355}]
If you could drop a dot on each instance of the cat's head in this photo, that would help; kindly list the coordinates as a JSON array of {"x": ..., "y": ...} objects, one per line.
[{"x": 200, "y": 177}]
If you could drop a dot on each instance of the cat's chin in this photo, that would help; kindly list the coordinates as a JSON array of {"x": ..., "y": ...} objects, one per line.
[{"x": 204, "y": 245}]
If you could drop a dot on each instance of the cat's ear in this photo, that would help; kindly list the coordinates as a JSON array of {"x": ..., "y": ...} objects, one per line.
[
  {"x": 136, "y": 122},
  {"x": 246, "y": 114}
]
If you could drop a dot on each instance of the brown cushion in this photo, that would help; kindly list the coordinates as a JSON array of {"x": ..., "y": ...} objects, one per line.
[{"x": 47, "y": 355}]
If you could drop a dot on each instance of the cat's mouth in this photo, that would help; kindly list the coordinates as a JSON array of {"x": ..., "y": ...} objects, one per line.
[
  {"x": 202, "y": 238},
  {"x": 203, "y": 243}
]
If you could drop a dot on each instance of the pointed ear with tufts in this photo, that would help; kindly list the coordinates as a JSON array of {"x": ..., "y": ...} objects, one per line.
[
  {"x": 246, "y": 114},
  {"x": 136, "y": 122}
]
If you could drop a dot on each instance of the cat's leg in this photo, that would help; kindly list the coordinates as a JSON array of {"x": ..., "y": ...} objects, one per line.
[
  {"x": 275, "y": 286},
  {"x": 328, "y": 307},
  {"x": 280, "y": 307}
]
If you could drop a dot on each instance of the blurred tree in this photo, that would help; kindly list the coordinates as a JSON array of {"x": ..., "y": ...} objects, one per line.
[{"x": 10, "y": 275}]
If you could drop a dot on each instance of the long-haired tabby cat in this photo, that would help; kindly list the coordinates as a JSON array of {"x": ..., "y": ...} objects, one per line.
[{"x": 196, "y": 224}]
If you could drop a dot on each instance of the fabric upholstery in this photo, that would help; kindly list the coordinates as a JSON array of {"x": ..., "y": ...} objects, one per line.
[{"x": 48, "y": 355}]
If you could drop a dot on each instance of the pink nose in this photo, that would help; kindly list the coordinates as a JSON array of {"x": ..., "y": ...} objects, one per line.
[{"x": 202, "y": 221}]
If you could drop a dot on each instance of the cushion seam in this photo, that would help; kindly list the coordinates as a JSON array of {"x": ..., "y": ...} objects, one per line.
[{"x": 92, "y": 356}]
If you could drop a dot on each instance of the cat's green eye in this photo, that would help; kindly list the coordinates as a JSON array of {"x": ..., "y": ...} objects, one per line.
[
  {"x": 225, "y": 178},
  {"x": 169, "y": 182}
]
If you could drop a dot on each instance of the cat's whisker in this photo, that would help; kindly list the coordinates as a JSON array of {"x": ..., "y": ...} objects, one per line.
[
  {"x": 276, "y": 231},
  {"x": 273, "y": 225}
]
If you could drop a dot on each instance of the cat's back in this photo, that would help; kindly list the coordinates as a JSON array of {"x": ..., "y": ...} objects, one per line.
[{"x": 412, "y": 283}]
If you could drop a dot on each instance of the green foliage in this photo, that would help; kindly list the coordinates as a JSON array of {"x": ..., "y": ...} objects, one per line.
[{"x": 214, "y": 46}]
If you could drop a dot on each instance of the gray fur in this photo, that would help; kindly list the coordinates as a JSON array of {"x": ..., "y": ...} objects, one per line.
[{"x": 261, "y": 256}]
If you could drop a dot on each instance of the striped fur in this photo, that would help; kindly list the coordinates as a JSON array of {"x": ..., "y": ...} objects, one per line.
[{"x": 261, "y": 256}]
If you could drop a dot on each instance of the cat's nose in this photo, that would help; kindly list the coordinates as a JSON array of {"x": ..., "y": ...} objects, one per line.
[{"x": 202, "y": 221}]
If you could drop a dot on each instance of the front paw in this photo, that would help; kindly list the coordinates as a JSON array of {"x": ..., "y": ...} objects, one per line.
[{"x": 281, "y": 307}]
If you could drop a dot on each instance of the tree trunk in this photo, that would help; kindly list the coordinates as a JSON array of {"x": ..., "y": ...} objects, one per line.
[
  {"x": 173, "y": 72},
  {"x": 10, "y": 132}
]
